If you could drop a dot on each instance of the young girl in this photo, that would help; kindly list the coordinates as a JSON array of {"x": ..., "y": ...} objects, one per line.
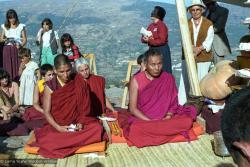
[
  {"x": 14, "y": 36},
  {"x": 69, "y": 49},
  {"x": 48, "y": 40},
  {"x": 27, "y": 71},
  {"x": 9, "y": 95}
]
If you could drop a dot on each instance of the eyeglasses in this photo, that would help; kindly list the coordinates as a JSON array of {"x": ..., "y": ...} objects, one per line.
[{"x": 194, "y": 10}]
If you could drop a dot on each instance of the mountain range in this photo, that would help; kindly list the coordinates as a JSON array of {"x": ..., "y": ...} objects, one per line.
[{"x": 110, "y": 29}]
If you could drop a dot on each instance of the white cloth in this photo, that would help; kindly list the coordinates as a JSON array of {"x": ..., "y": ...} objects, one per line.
[
  {"x": 207, "y": 44},
  {"x": 46, "y": 38},
  {"x": 184, "y": 87},
  {"x": 27, "y": 83},
  {"x": 15, "y": 33}
]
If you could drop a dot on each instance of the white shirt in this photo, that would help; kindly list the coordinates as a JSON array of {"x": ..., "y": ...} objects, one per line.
[
  {"x": 207, "y": 44},
  {"x": 15, "y": 33},
  {"x": 46, "y": 38},
  {"x": 27, "y": 83}
]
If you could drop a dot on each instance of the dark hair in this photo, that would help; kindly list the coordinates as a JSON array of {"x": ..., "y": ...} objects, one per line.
[
  {"x": 140, "y": 59},
  {"x": 66, "y": 37},
  {"x": 152, "y": 52},
  {"x": 158, "y": 12},
  {"x": 235, "y": 125},
  {"x": 11, "y": 13},
  {"x": 48, "y": 22},
  {"x": 45, "y": 68},
  {"x": 5, "y": 74},
  {"x": 24, "y": 52},
  {"x": 61, "y": 60}
]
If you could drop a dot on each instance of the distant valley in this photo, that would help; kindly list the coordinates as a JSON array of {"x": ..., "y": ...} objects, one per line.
[{"x": 111, "y": 30}]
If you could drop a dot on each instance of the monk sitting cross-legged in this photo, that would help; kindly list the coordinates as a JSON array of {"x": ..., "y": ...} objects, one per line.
[
  {"x": 99, "y": 103},
  {"x": 66, "y": 102},
  {"x": 155, "y": 116}
]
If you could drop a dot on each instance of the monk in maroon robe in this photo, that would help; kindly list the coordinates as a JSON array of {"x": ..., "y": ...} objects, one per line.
[
  {"x": 155, "y": 116},
  {"x": 66, "y": 102},
  {"x": 99, "y": 103}
]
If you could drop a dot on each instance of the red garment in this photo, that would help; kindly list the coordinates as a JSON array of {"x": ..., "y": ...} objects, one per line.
[
  {"x": 157, "y": 99},
  {"x": 70, "y": 104},
  {"x": 97, "y": 95},
  {"x": 76, "y": 52},
  {"x": 32, "y": 114},
  {"x": 160, "y": 34}
]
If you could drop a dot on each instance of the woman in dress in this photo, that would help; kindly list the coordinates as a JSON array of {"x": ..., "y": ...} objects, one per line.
[{"x": 159, "y": 37}]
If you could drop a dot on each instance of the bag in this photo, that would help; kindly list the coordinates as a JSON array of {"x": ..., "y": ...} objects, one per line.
[{"x": 10, "y": 41}]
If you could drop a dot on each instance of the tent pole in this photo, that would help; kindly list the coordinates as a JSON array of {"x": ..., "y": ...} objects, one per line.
[{"x": 187, "y": 47}]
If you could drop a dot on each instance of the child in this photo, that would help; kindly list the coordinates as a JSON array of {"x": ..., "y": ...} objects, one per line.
[
  {"x": 48, "y": 40},
  {"x": 69, "y": 49},
  {"x": 33, "y": 116},
  {"x": 27, "y": 71},
  {"x": 47, "y": 74},
  {"x": 141, "y": 63}
]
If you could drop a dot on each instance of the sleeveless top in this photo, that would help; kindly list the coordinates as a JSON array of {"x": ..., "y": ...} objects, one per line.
[{"x": 15, "y": 33}]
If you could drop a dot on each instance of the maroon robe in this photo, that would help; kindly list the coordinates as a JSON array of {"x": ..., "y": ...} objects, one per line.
[
  {"x": 31, "y": 113},
  {"x": 32, "y": 119},
  {"x": 97, "y": 95},
  {"x": 155, "y": 100},
  {"x": 69, "y": 105}
]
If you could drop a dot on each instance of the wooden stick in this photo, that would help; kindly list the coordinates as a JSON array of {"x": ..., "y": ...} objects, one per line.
[{"x": 187, "y": 47}]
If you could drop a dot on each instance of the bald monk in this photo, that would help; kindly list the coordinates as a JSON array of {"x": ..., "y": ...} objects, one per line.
[
  {"x": 66, "y": 101},
  {"x": 154, "y": 116},
  {"x": 99, "y": 103}
]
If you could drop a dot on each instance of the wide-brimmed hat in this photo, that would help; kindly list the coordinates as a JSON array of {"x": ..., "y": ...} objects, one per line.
[{"x": 201, "y": 4}]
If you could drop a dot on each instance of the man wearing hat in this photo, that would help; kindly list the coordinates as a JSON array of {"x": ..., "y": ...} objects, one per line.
[
  {"x": 202, "y": 34},
  {"x": 159, "y": 38},
  {"x": 218, "y": 15}
]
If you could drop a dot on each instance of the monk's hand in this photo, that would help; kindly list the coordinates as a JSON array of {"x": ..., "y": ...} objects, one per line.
[
  {"x": 62, "y": 128},
  {"x": 79, "y": 126},
  {"x": 168, "y": 116},
  {"x": 145, "y": 38}
]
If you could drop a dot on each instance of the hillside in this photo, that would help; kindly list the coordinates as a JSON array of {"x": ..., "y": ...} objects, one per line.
[{"x": 110, "y": 30}]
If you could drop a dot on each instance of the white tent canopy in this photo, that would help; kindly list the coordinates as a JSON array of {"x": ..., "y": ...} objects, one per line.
[{"x": 243, "y": 3}]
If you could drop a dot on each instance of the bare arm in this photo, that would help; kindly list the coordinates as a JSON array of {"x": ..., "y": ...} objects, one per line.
[
  {"x": 21, "y": 68},
  {"x": 133, "y": 95},
  {"x": 109, "y": 105},
  {"x": 36, "y": 102},
  {"x": 47, "y": 109},
  {"x": 2, "y": 36},
  {"x": 24, "y": 37},
  {"x": 16, "y": 95}
]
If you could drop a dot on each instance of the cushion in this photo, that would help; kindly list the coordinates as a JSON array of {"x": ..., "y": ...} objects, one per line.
[
  {"x": 95, "y": 147},
  {"x": 117, "y": 132}
]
